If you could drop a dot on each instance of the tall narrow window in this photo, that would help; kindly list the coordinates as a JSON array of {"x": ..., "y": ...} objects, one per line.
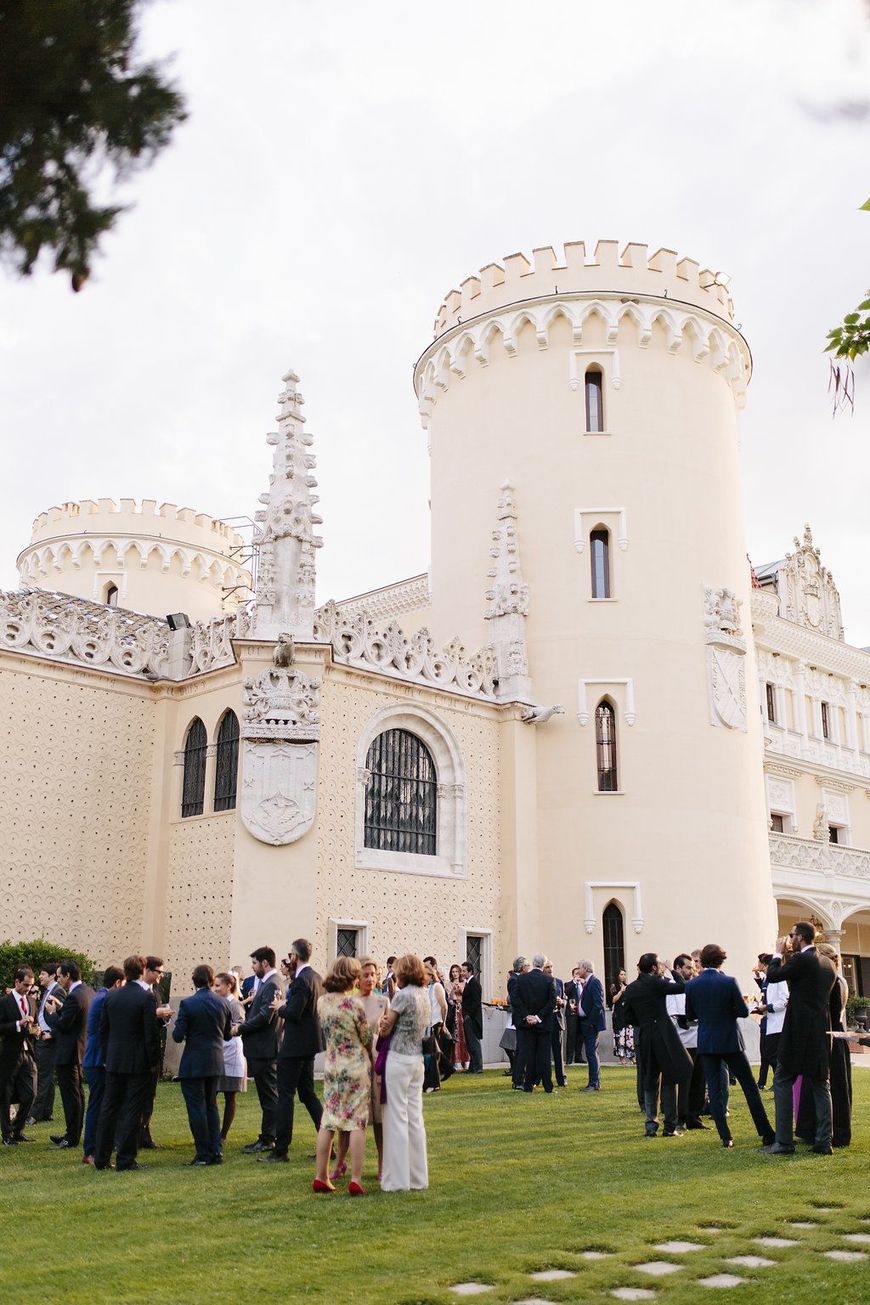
[
  {"x": 111, "y": 595},
  {"x": 193, "y": 787},
  {"x": 227, "y": 762},
  {"x": 594, "y": 387},
  {"x": 614, "y": 944},
  {"x": 605, "y": 747},
  {"x": 826, "y": 721},
  {"x": 599, "y": 552},
  {"x": 770, "y": 694},
  {"x": 401, "y": 795},
  {"x": 474, "y": 951}
]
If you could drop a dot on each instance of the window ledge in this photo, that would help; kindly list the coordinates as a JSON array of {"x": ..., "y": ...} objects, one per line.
[
  {"x": 594, "y": 433},
  {"x": 206, "y": 815},
  {"x": 408, "y": 863},
  {"x": 614, "y": 792},
  {"x": 602, "y": 600}
]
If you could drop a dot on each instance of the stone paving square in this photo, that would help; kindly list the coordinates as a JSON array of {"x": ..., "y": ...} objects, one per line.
[
  {"x": 633, "y": 1293},
  {"x": 846, "y": 1257},
  {"x": 776, "y": 1243},
  {"x": 471, "y": 1288},
  {"x": 751, "y": 1261},
  {"x": 721, "y": 1280},
  {"x": 595, "y": 1255},
  {"x": 658, "y": 1268},
  {"x": 678, "y": 1247},
  {"x": 802, "y": 1223},
  {"x": 856, "y": 1237},
  {"x": 552, "y": 1275},
  {"x": 533, "y": 1300}
]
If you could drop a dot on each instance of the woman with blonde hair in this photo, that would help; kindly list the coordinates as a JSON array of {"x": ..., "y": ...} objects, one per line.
[
  {"x": 347, "y": 1072},
  {"x": 405, "y": 1163},
  {"x": 235, "y": 1076}
]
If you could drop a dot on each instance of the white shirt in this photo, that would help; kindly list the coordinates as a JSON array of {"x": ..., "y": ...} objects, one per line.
[
  {"x": 40, "y": 1015},
  {"x": 676, "y": 1006},
  {"x": 21, "y": 999},
  {"x": 776, "y": 999},
  {"x": 143, "y": 984},
  {"x": 300, "y": 969}
]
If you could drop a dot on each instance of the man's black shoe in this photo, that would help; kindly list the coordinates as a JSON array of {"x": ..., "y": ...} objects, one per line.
[
  {"x": 102, "y": 1168},
  {"x": 57, "y": 1137},
  {"x": 10, "y": 1141},
  {"x": 20, "y": 1137},
  {"x": 128, "y": 1169},
  {"x": 149, "y": 1145},
  {"x": 675, "y": 1132},
  {"x": 728, "y": 1145},
  {"x": 200, "y": 1162},
  {"x": 274, "y": 1158},
  {"x": 776, "y": 1149},
  {"x": 822, "y": 1150},
  {"x": 254, "y": 1148},
  {"x": 693, "y": 1123},
  {"x": 62, "y": 1144},
  {"x": 590, "y": 1088}
]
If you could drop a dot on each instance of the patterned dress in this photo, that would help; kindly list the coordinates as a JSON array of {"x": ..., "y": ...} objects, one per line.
[{"x": 347, "y": 1075}]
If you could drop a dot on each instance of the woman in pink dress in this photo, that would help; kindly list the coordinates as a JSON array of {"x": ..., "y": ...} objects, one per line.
[{"x": 455, "y": 990}]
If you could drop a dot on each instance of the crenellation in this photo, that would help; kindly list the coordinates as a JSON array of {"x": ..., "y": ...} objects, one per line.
[{"x": 634, "y": 271}]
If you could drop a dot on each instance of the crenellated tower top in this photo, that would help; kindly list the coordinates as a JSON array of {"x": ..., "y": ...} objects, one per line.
[
  {"x": 286, "y": 575},
  {"x": 633, "y": 271}
]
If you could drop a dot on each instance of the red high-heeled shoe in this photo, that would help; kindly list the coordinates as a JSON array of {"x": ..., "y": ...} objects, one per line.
[
  {"x": 320, "y": 1186},
  {"x": 354, "y": 1189}
]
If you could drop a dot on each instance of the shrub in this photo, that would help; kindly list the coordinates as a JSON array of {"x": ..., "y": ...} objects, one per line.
[
  {"x": 854, "y": 1005},
  {"x": 36, "y": 954}
]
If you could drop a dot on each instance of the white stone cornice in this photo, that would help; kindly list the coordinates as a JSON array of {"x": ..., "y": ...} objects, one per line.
[{"x": 776, "y": 635}]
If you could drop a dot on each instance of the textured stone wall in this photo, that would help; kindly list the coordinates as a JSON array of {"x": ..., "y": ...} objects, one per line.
[
  {"x": 76, "y": 760},
  {"x": 406, "y": 911},
  {"x": 199, "y": 895}
]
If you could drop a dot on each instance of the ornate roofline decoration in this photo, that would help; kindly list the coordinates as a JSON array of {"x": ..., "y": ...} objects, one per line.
[
  {"x": 806, "y": 590},
  {"x": 776, "y": 634},
  {"x": 508, "y": 604},
  {"x": 357, "y": 641},
  {"x": 389, "y": 600},
  {"x": 286, "y": 538}
]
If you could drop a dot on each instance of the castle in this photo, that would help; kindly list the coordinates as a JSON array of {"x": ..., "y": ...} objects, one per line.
[{"x": 590, "y": 727}]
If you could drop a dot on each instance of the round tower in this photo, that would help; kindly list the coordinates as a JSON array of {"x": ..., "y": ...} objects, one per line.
[
  {"x": 604, "y": 391},
  {"x": 138, "y": 556}
]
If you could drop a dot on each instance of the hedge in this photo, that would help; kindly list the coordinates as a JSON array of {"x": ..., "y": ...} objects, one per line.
[{"x": 37, "y": 953}]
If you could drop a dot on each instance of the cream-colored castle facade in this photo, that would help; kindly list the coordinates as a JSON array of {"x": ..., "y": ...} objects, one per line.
[{"x": 589, "y": 729}]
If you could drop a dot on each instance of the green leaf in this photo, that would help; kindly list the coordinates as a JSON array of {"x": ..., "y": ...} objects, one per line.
[
  {"x": 865, "y": 207},
  {"x": 850, "y": 319},
  {"x": 862, "y": 308}
]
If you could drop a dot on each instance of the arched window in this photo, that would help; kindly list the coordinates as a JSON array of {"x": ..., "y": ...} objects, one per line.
[
  {"x": 400, "y": 794},
  {"x": 594, "y": 388},
  {"x": 599, "y": 552},
  {"x": 227, "y": 762},
  {"x": 193, "y": 787},
  {"x": 605, "y": 747},
  {"x": 111, "y": 595},
  {"x": 614, "y": 944}
]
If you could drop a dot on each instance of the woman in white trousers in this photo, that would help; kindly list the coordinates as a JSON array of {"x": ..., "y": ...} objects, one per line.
[{"x": 405, "y": 1163}]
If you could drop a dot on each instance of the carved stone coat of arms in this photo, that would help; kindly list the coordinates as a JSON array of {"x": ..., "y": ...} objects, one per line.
[{"x": 280, "y": 732}]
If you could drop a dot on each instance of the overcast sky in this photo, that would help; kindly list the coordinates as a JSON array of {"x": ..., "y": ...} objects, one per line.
[{"x": 346, "y": 164}]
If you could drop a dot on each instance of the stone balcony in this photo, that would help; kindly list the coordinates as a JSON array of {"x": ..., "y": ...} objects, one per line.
[
  {"x": 779, "y": 742},
  {"x": 833, "y": 880}
]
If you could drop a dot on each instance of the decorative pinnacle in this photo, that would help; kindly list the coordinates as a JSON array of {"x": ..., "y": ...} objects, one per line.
[{"x": 508, "y": 595}]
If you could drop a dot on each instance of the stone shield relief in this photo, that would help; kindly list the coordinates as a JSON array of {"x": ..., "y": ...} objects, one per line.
[{"x": 278, "y": 789}]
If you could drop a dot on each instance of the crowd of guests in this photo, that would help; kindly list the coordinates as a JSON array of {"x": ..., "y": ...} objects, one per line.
[{"x": 389, "y": 1037}]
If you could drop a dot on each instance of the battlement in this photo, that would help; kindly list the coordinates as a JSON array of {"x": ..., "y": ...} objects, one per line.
[
  {"x": 633, "y": 271},
  {"x": 128, "y": 517}
]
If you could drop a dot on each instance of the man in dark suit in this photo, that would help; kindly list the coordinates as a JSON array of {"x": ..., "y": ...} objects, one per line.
[
  {"x": 558, "y": 1034},
  {"x": 715, "y": 1001},
  {"x": 534, "y": 1005},
  {"x": 151, "y": 980},
  {"x": 472, "y": 1017},
  {"x": 68, "y": 1024},
  {"x": 43, "y": 1106},
  {"x": 93, "y": 1065},
  {"x": 300, "y": 1044},
  {"x": 130, "y": 1041},
  {"x": 804, "y": 1044},
  {"x": 518, "y": 1070},
  {"x": 592, "y": 1022},
  {"x": 259, "y": 1035},
  {"x": 573, "y": 1040},
  {"x": 17, "y": 1061},
  {"x": 204, "y": 1023},
  {"x": 663, "y": 1061}
]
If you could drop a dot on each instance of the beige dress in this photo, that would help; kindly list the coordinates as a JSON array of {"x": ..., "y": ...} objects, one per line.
[
  {"x": 347, "y": 1080},
  {"x": 375, "y": 1006}
]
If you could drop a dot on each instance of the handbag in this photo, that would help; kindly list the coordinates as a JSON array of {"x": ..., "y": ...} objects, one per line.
[{"x": 381, "y": 1063}]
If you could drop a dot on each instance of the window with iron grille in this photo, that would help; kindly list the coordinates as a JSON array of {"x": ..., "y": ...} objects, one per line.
[
  {"x": 474, "y": 951},
  {"x": 594, "y": 401},
  {"x": 614, "y": 944},
  {"x": 226, "y": 762},
  {"x": 193, "y": 786},
  {"x": 826, "y": 721},
  {"x": 599, "y": 552},
  {"x": 346, "y": 942},
  {"x": 770, "y": 693},
  {"x": 401, "y": 795},
  {"x": 605, "y": 747}
]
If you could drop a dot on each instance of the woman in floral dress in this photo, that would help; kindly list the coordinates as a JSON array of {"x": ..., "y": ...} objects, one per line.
[
  {"x": 347, "y": 1078},
  {"x": 454, "y": 995},
  {"x": 623, "y": 1033}
]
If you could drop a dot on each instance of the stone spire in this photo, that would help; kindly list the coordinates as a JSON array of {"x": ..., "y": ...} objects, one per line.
[
  {"x": 285, "y": 578},
  {"x": 508, "y": 604}
]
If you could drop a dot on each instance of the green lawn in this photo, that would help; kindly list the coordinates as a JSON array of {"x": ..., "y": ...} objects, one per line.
[{"x": 519, "y": 1184}]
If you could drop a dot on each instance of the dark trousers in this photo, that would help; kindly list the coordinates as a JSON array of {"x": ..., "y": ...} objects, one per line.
[
  {"x": 295, "y": 1076},
  {"x": 20, "y": 1086},
  {"x": 556, "y": 1048},
  {"x": 43, "y": 1106},
  {"x": 518, "y": 1064},
  {"x": 590, "y": 1046},
  {"x": 432, "y": 1063},
  {"x": 472, "y": 1041},
  {"x": 265, "y": 1079},
  {"x": 668, "y": 1094},
  {"x": 690, "y": 1098},
  {"x": 537, "y": 1058},
  {"x": 148, "y": 1109},
  {"x": 783, "y": 1087},
  {"x": 95, "y": 1078},
  {"x": 124, "y": 1098},
  {"x": 769, "y": 1048},
  {"x": 200, "y": 1097},
  {"x": 717, "y": 1090},
  {"x": 572, "y": 1036},
  {"x": 69, "y": 1080}
]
